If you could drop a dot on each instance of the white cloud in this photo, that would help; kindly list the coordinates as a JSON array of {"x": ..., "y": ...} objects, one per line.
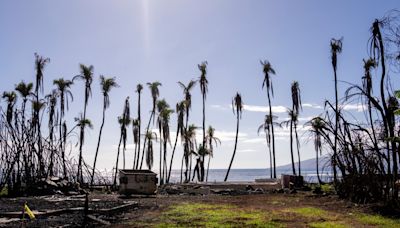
[
  {"x": 353, "y": 107},
  {"x": 229, "y": 135},
  {"x": 308, "y": 105},
  {"x": 220, "y": 107},
  {"x": 255, "y": 108}
]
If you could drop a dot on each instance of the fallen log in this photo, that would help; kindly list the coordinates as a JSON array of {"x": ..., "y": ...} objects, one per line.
[
  {"x": 38, "y": 214},
  {"x": 98, "y": 220}
]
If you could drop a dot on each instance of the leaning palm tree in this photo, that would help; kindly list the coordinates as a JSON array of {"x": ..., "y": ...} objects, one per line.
[
  {"x": 155, "y": 93},
  {"x": 237, "y": 106},
  {"x": 204, "y": 89},
  {"x": 336, "y": 48},
  {"x": 211, "y": 139},
  {"x": 266, "y": 127},
  {"x": 64, "y": 94},
  {"x": 139, "y": 89},
  {"x": 106, "y": 85},
  {"x": 296, "y": 107},
  {"x": 180, "y": 112},
  {"x": 82, "y": 124},
  {"x": 267, "y": 83}
]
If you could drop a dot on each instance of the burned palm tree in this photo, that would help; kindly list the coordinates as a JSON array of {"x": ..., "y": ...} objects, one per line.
[
  {"x": 204, "y": 89},
  {"x": 377, "y": 49},
  {"x": 155, "y": 93},
  {"x": 336, "y": 48},
  {"x": 164, "y": 113},
  {"x": 64, "y": 94},
  {"x": 139, "y": 89},
  {"x": 106, "y": 85},
  {"x": 150, "y": 137},
  {"x": 237, "y": 107},
  {"x": 180, "y": 112},
  {"x": 211, "y": 139},
  {"x": 267, "y": 83},
  {"x": 40, "y": 64},
  {"x": 188, "y": 105},
  {"x": 189, "y": 146},
  {"x": 123, "y": 121},
  {"x": 82, "y": 124},
  {"x": 296, "y": 107},
  {"x": 266, "y": 127},
  {"x": 52, "y": 106},
  {"x": 86, "y": 74},
  {"x": 188, "y": 97},
  {"x": 136, "y": 136},
  {"x": 25, "y": 91},
  {"x": 292, "y": 122},
  {"x": 161, "y": 106},
  {"x": 316, "y": 133},
  {"x": 11, "y": 99}
]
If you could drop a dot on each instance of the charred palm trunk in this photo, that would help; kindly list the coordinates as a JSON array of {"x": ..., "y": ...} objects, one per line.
[
  {"x": 272, "y": 134},
  {"x": 270, "y": 155},
  {"x": 291, "y": 147},
  {"x": 172, "y": 155},
  {"x": 98, "y": 144},
  {"x": 145, "y": 138},
  {"x": 298, "y": 147},
  {"x": 116, "y": 164},
  {"x": 234, "y": 149},
  {"x": 139, "y": 135},
  {"x": 204, "y": 137}
]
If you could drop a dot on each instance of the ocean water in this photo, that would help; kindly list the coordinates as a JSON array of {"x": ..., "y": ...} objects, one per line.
[{"x": 218, "y": 175}]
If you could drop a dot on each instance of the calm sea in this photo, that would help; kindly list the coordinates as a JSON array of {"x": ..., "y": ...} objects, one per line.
[{"x": 218, "y": 175}]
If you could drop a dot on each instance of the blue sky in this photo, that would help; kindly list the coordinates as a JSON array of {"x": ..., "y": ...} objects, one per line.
[{"x": 143, "y": 41}]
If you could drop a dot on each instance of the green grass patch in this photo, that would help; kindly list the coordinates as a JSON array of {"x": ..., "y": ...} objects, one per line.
[
  {"x": 328, "y": 188},
  {"x": 311, "y": 212},
  {"x": 209, "y": 215},
  {"x": 378, "y": 220},
  {"x": 328, "y": 224},
  {"x": 4, "y": 192}
]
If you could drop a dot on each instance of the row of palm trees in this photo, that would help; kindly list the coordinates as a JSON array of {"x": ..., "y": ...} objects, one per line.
[{"x": 46, "y": 155}]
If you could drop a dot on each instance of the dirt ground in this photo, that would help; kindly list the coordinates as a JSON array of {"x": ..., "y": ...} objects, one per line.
[{"x": 265, "y": 210}]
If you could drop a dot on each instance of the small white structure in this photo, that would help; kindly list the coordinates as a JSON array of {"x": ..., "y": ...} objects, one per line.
[{"x": 141, "y": 182}]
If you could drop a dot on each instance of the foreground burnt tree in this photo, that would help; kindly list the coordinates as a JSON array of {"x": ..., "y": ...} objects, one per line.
[{"x": 365, "y": 152}]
